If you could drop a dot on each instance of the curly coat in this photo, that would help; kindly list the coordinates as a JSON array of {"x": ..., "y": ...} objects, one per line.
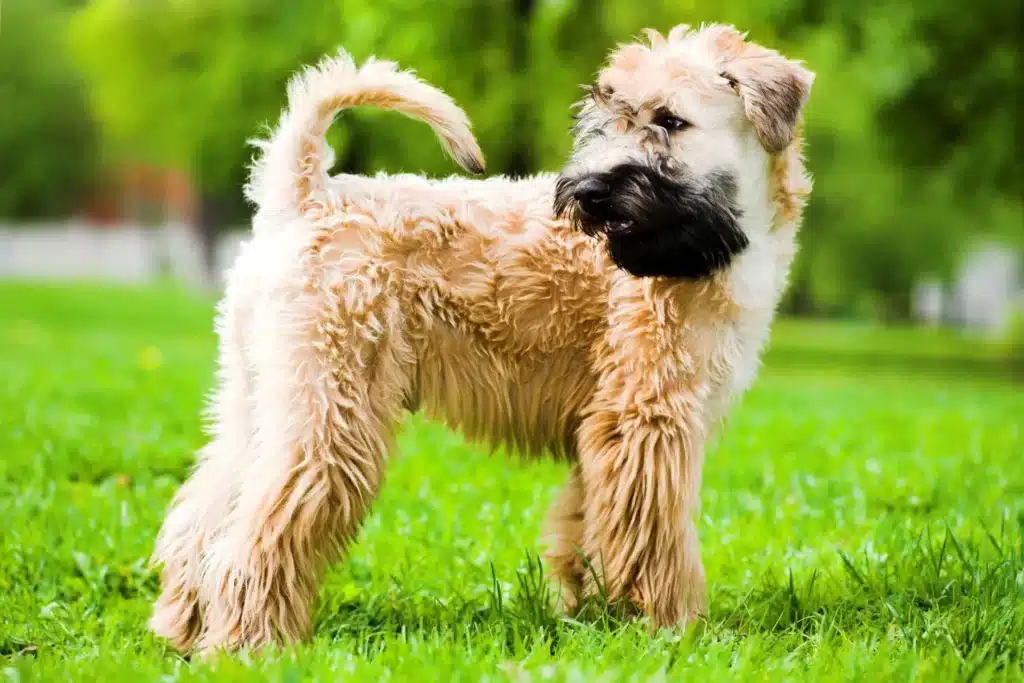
[{"x": 360, "y": 297}]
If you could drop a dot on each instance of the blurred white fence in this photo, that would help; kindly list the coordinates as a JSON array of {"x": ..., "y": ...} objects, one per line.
[
  {"x": 127, "y": 253},
  {"x": 987, "y": 292}
]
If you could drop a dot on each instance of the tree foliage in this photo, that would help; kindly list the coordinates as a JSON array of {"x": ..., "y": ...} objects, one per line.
[
  {"x": 47, "y": 139},
  {"x": 910, "y": 130}
]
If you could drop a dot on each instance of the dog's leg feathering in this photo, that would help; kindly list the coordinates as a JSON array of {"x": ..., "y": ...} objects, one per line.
[
  {"x": 204, "y": 499},
  {"x": 641, "y": 456},
  {"x": 328, "y": 386},
  {"x": 564, "y": 538}
]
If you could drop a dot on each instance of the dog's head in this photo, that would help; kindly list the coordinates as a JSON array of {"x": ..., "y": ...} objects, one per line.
[{"x": 673, "y": 147}]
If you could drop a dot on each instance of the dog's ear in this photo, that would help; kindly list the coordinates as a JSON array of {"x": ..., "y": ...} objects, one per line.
[{"x": 774, "y": 89}]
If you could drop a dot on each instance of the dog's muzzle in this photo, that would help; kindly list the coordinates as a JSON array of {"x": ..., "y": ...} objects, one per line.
[
  {"x": 592, "y": 192},
  {"x": 656, "y": 224},
  {"x": 594, "y": 203}
]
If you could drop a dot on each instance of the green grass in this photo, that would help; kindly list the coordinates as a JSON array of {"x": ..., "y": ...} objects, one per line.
[{"x": 862, "y": 519}]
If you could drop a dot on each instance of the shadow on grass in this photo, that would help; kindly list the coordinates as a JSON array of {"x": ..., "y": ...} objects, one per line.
[
  {"x": 959, "y": 595},
  {"x": 516, "y": 621}
]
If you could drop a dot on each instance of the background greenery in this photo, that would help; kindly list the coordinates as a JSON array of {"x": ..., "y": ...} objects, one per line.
[{"x": 911, "y": 127}]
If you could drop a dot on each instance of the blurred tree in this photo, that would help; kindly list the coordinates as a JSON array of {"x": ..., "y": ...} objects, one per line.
[
  {"x": 47, "y": 140},
  {"x": 187, "y": 83},
  {"x": 911, "y": 129},
  {"x": 913, "y": 145},
  {"x": 960, "y": 108}
]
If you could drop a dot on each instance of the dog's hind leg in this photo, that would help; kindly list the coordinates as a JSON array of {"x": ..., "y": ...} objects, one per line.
[
  {"x": 204, "y": 498},
  {"x": 330, "y": 379}
]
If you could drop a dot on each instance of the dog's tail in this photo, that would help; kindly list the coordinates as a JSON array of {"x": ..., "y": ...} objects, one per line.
[{"x": 290, "y": 173}]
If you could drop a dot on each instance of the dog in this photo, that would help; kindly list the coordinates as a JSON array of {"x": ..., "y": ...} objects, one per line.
[{"x": 608, "y": 314}]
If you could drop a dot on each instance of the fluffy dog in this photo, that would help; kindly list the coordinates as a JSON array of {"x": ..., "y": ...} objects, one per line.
[{"x": 606, "y": 314}]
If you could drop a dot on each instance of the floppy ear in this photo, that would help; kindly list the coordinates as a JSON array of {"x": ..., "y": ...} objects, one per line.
[{"x": 774, "y": 91}]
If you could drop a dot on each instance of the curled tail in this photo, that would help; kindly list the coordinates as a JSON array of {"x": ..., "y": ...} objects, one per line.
[{"x": 290, "y": 173}]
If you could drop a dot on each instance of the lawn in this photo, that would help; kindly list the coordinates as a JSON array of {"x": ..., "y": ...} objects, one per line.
[{"x": 861, "y": 521}]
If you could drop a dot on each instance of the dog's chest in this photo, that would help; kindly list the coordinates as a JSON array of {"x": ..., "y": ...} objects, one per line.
[{"x": 754, "y": 285}]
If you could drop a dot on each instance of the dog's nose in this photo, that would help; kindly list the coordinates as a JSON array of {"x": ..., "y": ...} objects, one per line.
[{"x": 592, "y": 190}]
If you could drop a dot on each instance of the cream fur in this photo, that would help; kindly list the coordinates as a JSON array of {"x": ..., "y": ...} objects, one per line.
[{"x": 359, "y": 297}]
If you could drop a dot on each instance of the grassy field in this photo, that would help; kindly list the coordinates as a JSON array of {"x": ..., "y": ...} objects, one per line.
[{"x": 862, "y": 520}]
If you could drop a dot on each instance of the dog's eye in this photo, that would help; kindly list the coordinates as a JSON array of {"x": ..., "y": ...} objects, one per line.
[{"x": 669, "y": 121}]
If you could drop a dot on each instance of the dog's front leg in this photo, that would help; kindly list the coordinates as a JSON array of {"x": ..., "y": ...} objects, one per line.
[
  {"x": 564, "y": 535},
  {"x": 641, "y": 456}
]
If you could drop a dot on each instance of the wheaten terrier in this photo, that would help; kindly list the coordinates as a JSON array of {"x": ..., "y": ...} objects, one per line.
[{"x": 606, "y": 315}]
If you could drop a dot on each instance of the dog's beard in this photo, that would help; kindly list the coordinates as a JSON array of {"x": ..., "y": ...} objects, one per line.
[{"x": 657, "y": 225}]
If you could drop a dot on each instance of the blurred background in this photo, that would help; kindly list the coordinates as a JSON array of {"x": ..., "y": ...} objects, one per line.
[{"x": 125, "y": 122}]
